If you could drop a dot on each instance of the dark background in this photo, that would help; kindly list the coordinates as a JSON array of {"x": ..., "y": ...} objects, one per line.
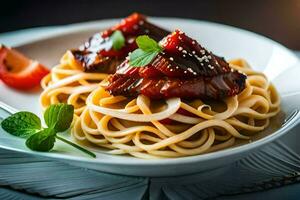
[{"x": 277, "y": 19}]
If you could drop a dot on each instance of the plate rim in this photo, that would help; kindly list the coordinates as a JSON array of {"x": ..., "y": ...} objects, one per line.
[
  {"x": 77, "y": 27},
  {"x": 166, "y": 161}
]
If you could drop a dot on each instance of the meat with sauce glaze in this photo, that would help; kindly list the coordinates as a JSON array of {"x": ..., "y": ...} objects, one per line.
[{"x": 183, "y": 69}]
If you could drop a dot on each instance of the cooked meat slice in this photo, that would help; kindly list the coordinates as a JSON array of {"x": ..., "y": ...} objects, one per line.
[{"x": 97, "y": 54}]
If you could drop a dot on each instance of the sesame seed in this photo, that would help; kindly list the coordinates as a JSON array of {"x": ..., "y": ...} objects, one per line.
[
  {"x": 185, "y": 72},
  {"x": 193, "y": 42},
  {"x": 184, "y": 51},
  {"x": 211, "y": 67},
  {"x": 194, "y": 73},
  {"x": 180, "y": 38},
  {"x": 131, "y": 40},
  {"x": 193, "y": 52},
  {"x": 190, "y": 69},
  {"x": 171, "y": 70},
  {"x": 198, "y": 58},
  {"x": 180, "y": 48},
  {"x": 171, "y": 58},
  {"x": 177, "y": 67},
  {"x": 184, "y": 55},
  {"x": 201, "y": 64},
  {"x": 209, "y": 57}
]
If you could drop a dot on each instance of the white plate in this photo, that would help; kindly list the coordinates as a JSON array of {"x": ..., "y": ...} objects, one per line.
[{"x": 277, "y": 62}]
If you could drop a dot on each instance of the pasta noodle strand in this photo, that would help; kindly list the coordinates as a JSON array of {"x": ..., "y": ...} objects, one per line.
[{"x": 211, "y": 127}]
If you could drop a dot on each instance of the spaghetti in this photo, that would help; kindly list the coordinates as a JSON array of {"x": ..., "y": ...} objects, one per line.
[
  {"x": 80, "y": 70},
  {"x": 68, "y": 83},
  {"x": 137, "y": 126}
]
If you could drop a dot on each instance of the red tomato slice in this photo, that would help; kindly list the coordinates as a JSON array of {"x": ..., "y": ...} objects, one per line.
[{"x": 18, "y": 71}]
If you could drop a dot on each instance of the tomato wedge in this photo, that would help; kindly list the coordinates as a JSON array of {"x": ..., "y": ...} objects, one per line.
[{"x": 18, "y": 71}]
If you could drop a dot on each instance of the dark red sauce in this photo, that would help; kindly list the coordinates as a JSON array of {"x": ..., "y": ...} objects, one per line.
[
  {"x": 183, "y": 69},
  {"x": 97, "y": 54}
]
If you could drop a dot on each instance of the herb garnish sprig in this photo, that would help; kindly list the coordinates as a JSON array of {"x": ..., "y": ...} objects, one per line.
[
  {"x": 118, "y": 40},
  {"x": 27, "y": 125},
  {"x": 148, "y": 49}
]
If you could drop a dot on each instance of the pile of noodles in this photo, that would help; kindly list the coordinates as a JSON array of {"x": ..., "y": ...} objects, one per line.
[
  {"x": 133, "y": 125},
  {"x": 68, "y": 83}
]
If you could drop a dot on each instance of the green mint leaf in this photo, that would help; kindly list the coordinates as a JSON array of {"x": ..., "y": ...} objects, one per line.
[
  {"x": 148, "y": 49},
  {"x": 147, "y": 44},
  {"x": 41, "y": 141},
  {"x": 59, "y": 116},
  {"x": 22, "y": 124},
  {"x": 140, "y": 58},
  {"x": 118, "y": 40}
]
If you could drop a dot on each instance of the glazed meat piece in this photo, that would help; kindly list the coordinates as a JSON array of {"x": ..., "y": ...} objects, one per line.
[
  {"x": 183, "y": 69},
  {"x": 215, "y": 87},
  {"x": 189, "y": 57},
  {"x": 97, "y": 54}
]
